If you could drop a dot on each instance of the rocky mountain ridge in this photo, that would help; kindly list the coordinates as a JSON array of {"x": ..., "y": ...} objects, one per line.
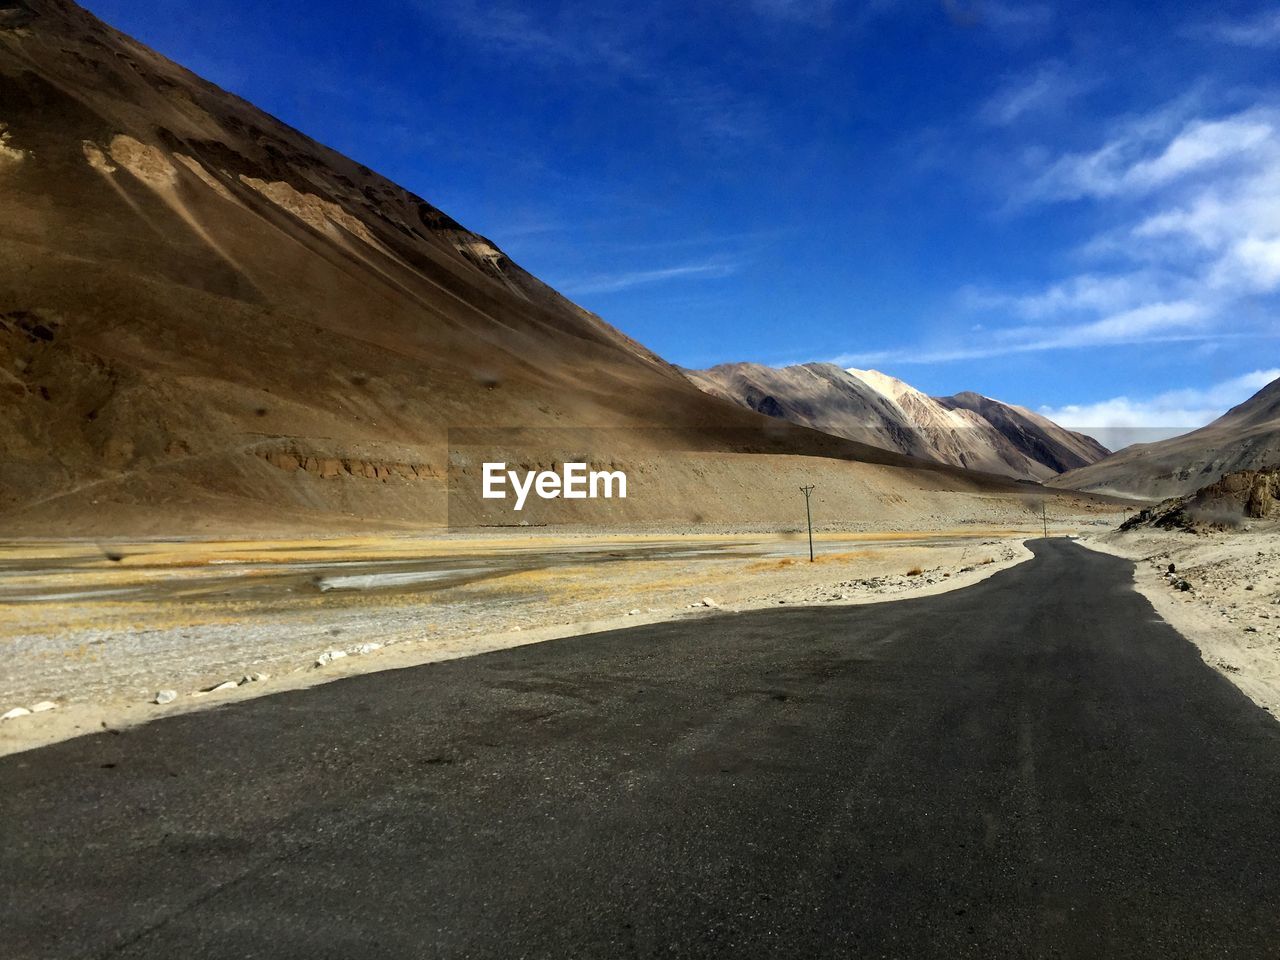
[
  {"x": 1246, "y": 437},
  {"x": 1230, "y": 502},
  {"x": 966, "y": 430}
]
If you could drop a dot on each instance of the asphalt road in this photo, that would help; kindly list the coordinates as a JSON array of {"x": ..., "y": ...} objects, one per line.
[{"x": 1036, "y": 766}]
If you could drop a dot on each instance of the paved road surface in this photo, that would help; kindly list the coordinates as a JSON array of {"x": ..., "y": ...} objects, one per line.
[{"x": 1032, "y": 767}]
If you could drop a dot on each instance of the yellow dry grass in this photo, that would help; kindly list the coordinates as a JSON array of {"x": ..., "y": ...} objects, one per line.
[
  {"x": 183, "y": 584},
  {"x": 197, "y": 552},
  {"x": 783, "y": 563}
]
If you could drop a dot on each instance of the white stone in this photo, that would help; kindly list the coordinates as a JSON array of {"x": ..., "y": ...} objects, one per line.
[
  {"x": 15, "y": 713},
  {"x": 329, "y": 656},
  {"x": 365, "y": 648},
  {"x": 165, "y": 696},
  {"x": 708, "y": 602},
  {"x": 44, "y": 706}
]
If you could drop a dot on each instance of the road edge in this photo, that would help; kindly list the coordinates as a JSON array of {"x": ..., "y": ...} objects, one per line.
[
  {"x": 1218, "y": 646},
  {"x": 85, "y": 719}
]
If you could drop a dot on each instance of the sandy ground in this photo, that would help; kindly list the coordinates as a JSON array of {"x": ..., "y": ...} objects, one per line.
[
  {"x": 1231, "y": 612},
  {"x": 99, "y": 631}
]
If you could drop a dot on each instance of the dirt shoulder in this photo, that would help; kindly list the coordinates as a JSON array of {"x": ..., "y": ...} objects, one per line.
[{"x": 1231, "y": 610}]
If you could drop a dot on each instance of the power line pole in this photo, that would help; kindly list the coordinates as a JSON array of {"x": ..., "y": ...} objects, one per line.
[
  {"x": 1044, "y": 518},
  {"x": 808, "y": 517}
]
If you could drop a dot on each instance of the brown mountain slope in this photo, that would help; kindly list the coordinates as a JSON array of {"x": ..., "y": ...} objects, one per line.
[
  {"x": 817, "y": 395},
  {"x": 967, "y": 430},
  {"x": 1036, "y": 437},
  {"x": 959, "y": 435},
  {"x": 1246, "y": 437},
  {"x": 210, "y": 322}
]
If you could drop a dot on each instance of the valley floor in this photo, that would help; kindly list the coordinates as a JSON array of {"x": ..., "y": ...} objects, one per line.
[
  {"x": 1034, "y": 766},
  {"x": 1232, "y": 609},
  {"x": 100, "y": 630}
]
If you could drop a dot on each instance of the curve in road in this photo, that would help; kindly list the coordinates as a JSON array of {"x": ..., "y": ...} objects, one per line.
[{"x": 1036, "y": 766}]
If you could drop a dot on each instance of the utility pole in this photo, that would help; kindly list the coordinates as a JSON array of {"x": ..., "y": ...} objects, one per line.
[
  {"x": 808, "y": 517},
  {"x": 1044, "y": 518}
]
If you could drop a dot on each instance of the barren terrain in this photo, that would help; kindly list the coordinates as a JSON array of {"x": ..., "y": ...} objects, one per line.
[{"x": 100, "y": 629}]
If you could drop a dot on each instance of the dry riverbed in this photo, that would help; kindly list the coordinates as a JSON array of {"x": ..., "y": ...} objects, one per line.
[{"x": 99, "y": 631}]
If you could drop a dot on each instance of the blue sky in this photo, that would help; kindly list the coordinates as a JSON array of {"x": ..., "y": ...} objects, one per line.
[{"x": 1072, "y": 206}]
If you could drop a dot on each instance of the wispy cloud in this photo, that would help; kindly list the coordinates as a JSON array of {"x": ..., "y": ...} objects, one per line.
[
  {"x": 1212, "y": 233},
  {"x": 1086, "y": 293},
  {"x": 1016, "y": 15},
  {"x": 1122, "y": 420},
  {"x": 1139, "y": 161},
  {"x": 521, "y": 228},
  {"x": 1170, "y": 322},
  {"x": 735, "y": 239},
  {"x": 612, "y": 49},
  {"x": 1014, "y": 22},
  {"x": 511, "y": 29},
  {"x": 1047, "y": 88},
  {"x": 615, "y": 282},
  {"x": 1191, "y": 253},
  {"x": 1260, "y": 31}
]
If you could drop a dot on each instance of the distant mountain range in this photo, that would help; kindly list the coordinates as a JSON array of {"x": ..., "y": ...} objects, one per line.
[
  {"x": 966, "y": 430},
  {"x": 978, "y": 433},
  {"x": 1246, "y": 437}
]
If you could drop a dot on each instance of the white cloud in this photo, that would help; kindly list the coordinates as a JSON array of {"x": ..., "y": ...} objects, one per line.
[
  {"x": 1193, "y": 255},
  {"x": 1132, "y": 326},
  {"x": 1139, "y": 160},
  {"x": 512, "y": 29},
  {"x": 1084, "y": 293},
  {"x": 1122, "y": 420},
  {"x": 614, "y": 282},
  {"x": 1256, "y": 260},
  {"x": 1261, "y": 31},
  {"x": 1177, "y": 320},
  {"x": 1201, "y": 143},
  {"x": 1232, "y": 223},
  {"x": 1048, "y": 87}
]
